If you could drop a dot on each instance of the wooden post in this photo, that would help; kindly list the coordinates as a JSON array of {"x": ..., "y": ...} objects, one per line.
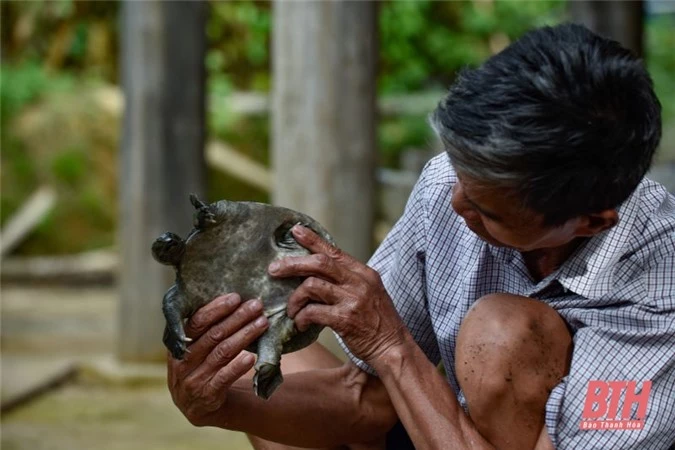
[
  {"x": 323, "y": 124},
  {"x": 162, "y": 159},
  {"x": 618, "y": 20}
]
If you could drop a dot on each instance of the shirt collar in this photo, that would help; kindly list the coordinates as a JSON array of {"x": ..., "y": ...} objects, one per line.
[{"x": 590, "y": 271}]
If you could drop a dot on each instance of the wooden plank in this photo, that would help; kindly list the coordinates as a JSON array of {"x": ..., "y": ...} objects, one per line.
[
  {"x": 258, "y": 104},
  {"x": 230, "y": 161},
  {"x": 27, "y": 377},
  {"x": 28, "y": 217},
  {"x": 94, "y": 266}
]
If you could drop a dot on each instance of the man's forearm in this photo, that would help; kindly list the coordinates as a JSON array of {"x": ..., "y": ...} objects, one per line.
[
  {"x": 424, "y": 401},
  {"x": 317, "y": 408}
]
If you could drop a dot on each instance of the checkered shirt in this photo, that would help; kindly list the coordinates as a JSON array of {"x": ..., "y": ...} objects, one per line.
[{"x": 617, "y": 292}]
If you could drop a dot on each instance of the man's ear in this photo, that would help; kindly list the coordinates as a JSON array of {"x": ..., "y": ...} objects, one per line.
[{"x": 592, "y": 224}]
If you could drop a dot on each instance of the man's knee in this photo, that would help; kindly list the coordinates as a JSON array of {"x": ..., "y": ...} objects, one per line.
[
  {"x": 513, "y": 322},
  {"x": 513, "y": 315},
  {"x": 511, "y": 339}
]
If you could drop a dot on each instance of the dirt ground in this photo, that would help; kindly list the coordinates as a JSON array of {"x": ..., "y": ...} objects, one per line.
[{"x": 48, "y": 328}]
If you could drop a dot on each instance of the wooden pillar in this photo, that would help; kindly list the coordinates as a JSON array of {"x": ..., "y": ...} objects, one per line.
[
  {"x": 617, "y": 19},
  {"x": 323, "y": 108},
  {"x": 161, "y": 159}
]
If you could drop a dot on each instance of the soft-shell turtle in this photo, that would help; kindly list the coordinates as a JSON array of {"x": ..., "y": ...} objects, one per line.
[{"x": 229, "y": 250}]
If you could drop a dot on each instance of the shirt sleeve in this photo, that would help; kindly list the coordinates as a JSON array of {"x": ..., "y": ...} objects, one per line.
[
  {"x": 631, "y": 342},
  {"x": 400, "y": 262}
]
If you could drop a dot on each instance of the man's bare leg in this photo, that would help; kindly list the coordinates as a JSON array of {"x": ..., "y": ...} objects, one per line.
[
  {"x": 313, "y": 357},
  {"x": 511, "y": 351}
]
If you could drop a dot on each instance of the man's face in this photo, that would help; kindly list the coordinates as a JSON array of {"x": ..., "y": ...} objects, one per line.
[{"x": 498, "y": 218}]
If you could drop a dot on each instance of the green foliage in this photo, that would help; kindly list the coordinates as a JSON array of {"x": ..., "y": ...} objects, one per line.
[
  {"x": 25, "y": 83},
  {"x": 65, "y": 140},
  {"x": 19, "y": 176},
  {"x": 78, "y": 47},
  {"x": 220, "y": 119},
  {"x": 239, "y": 40},
  {"x": 70, "y": 167},
  {"x": 400, "y": 133},
  {"x": 660, "y": 56},
  {"x": 49, "y": 46},
  {"x": 424, "y": 43}
]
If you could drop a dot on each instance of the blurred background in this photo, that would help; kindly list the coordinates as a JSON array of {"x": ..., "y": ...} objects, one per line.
[{"x": 112, "y": 112}]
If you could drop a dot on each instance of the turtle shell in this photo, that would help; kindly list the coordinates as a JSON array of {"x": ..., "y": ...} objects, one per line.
[{"x": 233, "y": 254}]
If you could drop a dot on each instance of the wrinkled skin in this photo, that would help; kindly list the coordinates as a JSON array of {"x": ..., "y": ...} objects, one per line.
[{"x": 229, "y": 250}]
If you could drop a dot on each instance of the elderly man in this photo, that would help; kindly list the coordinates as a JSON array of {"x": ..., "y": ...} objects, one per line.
[{"x": 533, "y": 260}]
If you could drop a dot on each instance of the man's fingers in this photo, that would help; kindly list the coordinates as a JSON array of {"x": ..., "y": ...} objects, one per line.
[
  {"x": 313, "y": 242},
  {"x": 316, "y": 244},
  {"x": 315, "y": 313},
  {"x": 313, "y": 289},
  {"x": 228, "y": 349},
  {"x": 211, "y": 313},
  {"x": 227, "y": 375},
  {"x": 223, "y": 353},
  {"x": 317, "y": 265},
  {"x": 224, "y": 329}
]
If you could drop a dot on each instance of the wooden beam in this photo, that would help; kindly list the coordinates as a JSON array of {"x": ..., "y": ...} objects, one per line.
[
  {"x": 95, "y": 266},
  {"x": 161, "y": 157},
  {"x": 323, "y": 116},
  {"x": 228, "y": 160},
  {"x": 258, "y": 104},
  {"x": 26, "y": 378},
  {"x": 26, "y": 219},
  {"x": 622, "y": 20}
]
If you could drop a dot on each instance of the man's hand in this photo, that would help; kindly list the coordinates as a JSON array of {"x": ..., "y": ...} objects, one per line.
[
  {"x": 220, "y": 330},
  {"x": 343, "y": 294}
]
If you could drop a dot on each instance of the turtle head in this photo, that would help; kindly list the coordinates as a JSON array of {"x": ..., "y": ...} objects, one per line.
[{"x": 168, "y": 249}]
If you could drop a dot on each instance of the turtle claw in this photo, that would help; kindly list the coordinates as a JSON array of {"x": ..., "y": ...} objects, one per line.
[
  {"x": 175, "y": 345},
  {"x": 207, "y": 216}
]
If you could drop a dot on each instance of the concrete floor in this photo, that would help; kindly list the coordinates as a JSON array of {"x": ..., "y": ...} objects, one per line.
[{"x": 45, "y": 332}]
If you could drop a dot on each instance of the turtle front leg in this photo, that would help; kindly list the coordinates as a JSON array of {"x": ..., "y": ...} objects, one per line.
[
  {"x": 268, "y": 376},
  {"x": 175, "y": 310},
  {"x": 205, "y": 215}
]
